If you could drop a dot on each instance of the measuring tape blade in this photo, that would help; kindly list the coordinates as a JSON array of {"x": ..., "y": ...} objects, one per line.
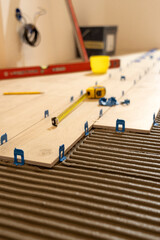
[{"x": 66, "y": 112}]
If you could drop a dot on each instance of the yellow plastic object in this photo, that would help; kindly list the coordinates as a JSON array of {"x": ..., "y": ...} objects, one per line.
[
  {"x": 96, "y": 92},
  {"x": 99, "y": 64}
]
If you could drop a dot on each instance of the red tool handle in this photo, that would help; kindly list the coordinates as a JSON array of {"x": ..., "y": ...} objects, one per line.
[{"x": 79, "y": 37}]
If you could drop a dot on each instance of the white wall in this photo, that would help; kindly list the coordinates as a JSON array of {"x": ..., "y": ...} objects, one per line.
[
  {"x": 138, "y": 22},
  {"x": 57, "y": 40},
  {"x": 2, "y": 50}
]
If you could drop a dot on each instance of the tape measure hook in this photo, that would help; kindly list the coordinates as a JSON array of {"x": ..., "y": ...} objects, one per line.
[{"x": 54, "y": 121}]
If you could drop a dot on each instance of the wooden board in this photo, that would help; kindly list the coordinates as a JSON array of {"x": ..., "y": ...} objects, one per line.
[
  {"x": 41, "y": 142},
  {"x": 19, "y": 113},
  {"x": 24, "y": 122},
  {"x": 138, "y": 116}
]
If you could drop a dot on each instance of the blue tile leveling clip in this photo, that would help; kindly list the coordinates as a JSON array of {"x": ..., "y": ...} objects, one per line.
[
  {"x": 18, "y": 152},
  {"x": 4, "y": 138},
  {"x": 86, "y": 129},
  {"x": 61, "y": 153},
  {"x": 118, "y": 123},
  {"x": 123, "y": 77},
  {"x": 81, "y": 93},
  {"x": 46, "y": 113},
  {"x": 100, "y": 113},
  {"x": 154, "y": 121},
  {"x": 110, "y": 102},
  {"x": 71, "y": 99}
]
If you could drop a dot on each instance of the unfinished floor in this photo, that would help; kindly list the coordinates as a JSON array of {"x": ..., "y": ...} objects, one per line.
[{"x": 107, "y": 189}]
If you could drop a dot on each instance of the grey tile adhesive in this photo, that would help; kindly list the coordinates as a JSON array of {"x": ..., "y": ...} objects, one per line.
[{"x": 108, "y": 188}]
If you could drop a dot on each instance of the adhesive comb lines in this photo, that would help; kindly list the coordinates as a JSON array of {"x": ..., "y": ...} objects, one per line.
[{"x": 99, "y": 192}]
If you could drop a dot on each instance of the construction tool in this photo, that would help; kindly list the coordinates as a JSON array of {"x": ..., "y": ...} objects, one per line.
[{"x": 95, "y": 92}]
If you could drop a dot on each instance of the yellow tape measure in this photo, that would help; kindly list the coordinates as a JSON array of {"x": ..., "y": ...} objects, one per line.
[
  {"x": 92, "y": 92},
  {"x": 65, "y": 113}
]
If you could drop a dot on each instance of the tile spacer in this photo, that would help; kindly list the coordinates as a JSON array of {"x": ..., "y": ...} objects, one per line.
[
  {"x": 4, "y": 138},
  {"x": 122, "y": 123},
  {"x": 71, "y": 99},
  {"x": 86, "y": 129},
  {"x": 123, "y": 78},
  {"x": 46, "y": 113},
  {"x": 126, "y": 101},
  {"x": 154, "y": 121},
  {"x": 18, "y": 152},
  {"x": 81, "y": 93},
  {"x": 61, "y": 153},
  {"x": 100, "y": 113},
  {"x": 154, "y": 117}
]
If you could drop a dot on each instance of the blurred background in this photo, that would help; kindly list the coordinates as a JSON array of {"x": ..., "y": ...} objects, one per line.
[{"x": 137, "y": 21}]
